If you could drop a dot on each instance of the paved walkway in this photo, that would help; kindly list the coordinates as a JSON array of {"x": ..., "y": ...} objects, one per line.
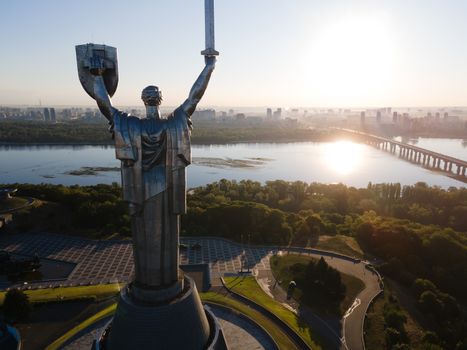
[
  {"x": 83, "y": 340},
  {"x": 345, "y": 333},
  {"x": 240, "y": 332}
]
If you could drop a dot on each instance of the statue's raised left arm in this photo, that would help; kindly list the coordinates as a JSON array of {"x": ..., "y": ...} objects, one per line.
[{"x": 199, "y": 87}]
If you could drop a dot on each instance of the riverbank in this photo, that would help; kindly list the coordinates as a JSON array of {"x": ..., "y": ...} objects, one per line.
[{"x": 37, "y": 133}]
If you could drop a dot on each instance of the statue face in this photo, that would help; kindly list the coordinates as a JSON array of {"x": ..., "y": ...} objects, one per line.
[{"x": 151, "y": 96}]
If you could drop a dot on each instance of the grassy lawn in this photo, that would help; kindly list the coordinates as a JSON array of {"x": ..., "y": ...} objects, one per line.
[
  {"x": 340, "y": 244},
  {"x": 282, "y": 340},
  {"x": 281, "y": 268},
  {"x": 248, "y": 287},
  {"x": 69, "y": 293},
  {"x": 97, "y": 317},
  {"x": 12, "y": 203}
]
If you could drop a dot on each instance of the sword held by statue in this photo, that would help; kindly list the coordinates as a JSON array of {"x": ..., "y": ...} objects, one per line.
[{"x": 209, "y": 29}]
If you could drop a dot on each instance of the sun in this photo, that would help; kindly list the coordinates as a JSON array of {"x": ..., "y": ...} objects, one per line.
[
  {"x": 343, "y": 157},
  {"x": 353, "y": 59}
]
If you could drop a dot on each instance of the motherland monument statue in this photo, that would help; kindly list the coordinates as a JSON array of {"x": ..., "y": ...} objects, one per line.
[
  {"x": 154, "y": 153},
  {"x": 160, "y": 307}
]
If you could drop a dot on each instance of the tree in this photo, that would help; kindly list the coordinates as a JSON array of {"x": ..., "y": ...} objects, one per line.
[
  {"x": 320, "y": 278},
  {"x": 395, "y": 319},
  {"x": 430, "y": 304},
  {"x": 365, "y": 232},
  {"x": 393, "y": 337},
  {"x": 422, "y": 285},
  {"x": 16, "y": 306},
  {"x": 430, "y": 338},
  {"x": 302, "y": 234}
]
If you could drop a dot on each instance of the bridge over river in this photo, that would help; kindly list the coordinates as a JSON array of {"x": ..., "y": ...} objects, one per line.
[{"x": 451, "y": 166}]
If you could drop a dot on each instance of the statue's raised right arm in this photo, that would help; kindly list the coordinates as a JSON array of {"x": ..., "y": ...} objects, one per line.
[
  {"x": 100, "y": 93},
  {"x": 199, "y": 87}
]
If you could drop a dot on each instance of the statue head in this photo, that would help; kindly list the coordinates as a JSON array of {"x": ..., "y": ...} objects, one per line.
[{"x": 151, "y": 96}]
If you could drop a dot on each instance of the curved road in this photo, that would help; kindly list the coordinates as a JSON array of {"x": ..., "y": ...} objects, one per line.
[{"x": 347, "y": 332}]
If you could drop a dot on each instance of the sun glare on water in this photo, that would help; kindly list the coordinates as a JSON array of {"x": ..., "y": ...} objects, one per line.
[{"x": 343, "y": 157}]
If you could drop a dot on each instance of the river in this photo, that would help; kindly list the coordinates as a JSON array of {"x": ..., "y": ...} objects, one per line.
[{"x": 327, "y": 162}]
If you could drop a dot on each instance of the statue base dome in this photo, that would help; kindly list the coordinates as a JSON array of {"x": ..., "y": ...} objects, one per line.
[{"x": 180, "y": 323}]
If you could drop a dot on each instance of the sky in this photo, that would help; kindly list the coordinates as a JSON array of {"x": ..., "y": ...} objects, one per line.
[{"x": 296, "y": 53}]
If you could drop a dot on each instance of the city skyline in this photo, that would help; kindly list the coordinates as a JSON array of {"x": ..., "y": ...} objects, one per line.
[{"x": 305, "y": 53}]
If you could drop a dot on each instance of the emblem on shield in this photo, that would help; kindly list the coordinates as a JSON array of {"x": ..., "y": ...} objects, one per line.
[{"x": 86, "y": 57}]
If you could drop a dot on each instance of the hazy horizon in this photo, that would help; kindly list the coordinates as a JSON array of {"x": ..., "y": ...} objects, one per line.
[{"x": 253, "y": 107}]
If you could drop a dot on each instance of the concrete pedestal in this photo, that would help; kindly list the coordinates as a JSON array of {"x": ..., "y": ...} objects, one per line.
[{"x": 181, "y": 323}]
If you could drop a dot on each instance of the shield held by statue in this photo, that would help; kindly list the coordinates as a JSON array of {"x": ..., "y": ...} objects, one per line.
[{"x": 86, "y": 57}]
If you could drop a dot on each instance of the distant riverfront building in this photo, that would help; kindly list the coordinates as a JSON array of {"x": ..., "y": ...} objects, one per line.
[
  {"x": 277, "y": 114},
  {"x": 269, "y": 113},
  {"x": 204, "y": 115},
  {"x": 46, "y": 114},
  {"x": 53, "y": 117}
]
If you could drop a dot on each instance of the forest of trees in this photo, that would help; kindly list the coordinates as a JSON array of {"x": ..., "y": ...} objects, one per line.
[
  {"x": 419, "y": 232},
  {"x": 28, "y": 132},
  {"x": 318, "y": 278},
  {"x": 78, "y": 209}
]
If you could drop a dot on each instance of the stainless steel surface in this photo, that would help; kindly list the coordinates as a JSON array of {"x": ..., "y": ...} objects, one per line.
[
  {"x": 181, "y": 324},
  {"x": 209, "y": 29},
  {"x": 154, "y": 152},
  {"x": 86, "y": 55}
]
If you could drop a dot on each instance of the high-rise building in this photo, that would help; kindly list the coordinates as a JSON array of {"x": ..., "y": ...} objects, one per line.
[
  {"x": 277, "y": 114},
  {"x": 53, "y": 117},
  {"x": 46, "y": 114},
  {"x": 206, "y": 114},
  {"x": 269, "y": 113},
  {"x": 362, "y": 117}
]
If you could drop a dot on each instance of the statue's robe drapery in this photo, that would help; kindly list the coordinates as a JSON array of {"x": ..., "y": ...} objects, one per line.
[{"x": 154, "y": 155}]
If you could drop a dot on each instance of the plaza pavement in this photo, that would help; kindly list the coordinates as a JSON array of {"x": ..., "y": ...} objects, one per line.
[
  {"x": 96, "y": 261},
  {"x": 112, "y": 260}
]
